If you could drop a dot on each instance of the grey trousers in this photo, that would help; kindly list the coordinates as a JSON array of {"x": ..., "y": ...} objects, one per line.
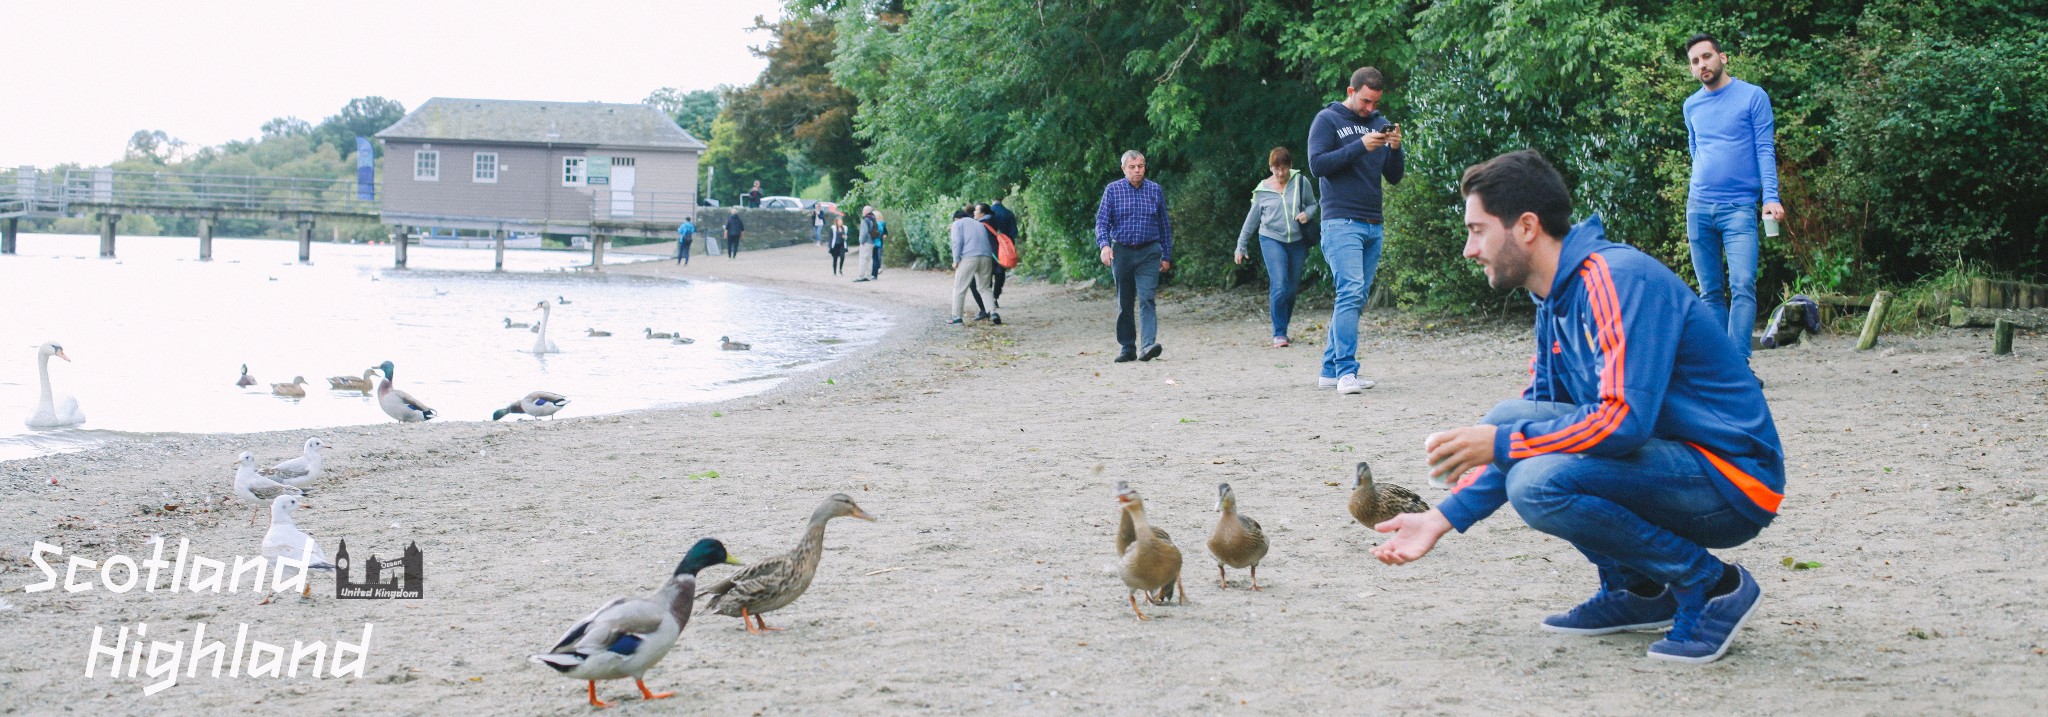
[
  {"x": 972, "y": 269},
  {"x": 1136, "y": 271}
]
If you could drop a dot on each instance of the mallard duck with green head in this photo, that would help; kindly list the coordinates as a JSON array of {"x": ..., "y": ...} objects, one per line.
[{"x": 627, "y": 636}]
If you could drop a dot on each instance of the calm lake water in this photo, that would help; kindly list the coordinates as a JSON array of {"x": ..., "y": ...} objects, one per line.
[{"x": 156, "y": 337}]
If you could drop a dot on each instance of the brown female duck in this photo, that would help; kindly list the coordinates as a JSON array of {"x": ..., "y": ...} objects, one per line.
[
  {"x": 1238, "y": 541},
  {"x": 1149, "y": 561},
  {"x": 1375, "y": 504},
  {"x": 776, "y": 582}
]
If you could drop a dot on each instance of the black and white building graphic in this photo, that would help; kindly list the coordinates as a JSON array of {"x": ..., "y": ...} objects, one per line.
[{"x": 379, "y": 579}]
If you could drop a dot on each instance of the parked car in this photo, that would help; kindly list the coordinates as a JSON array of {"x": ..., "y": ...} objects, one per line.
[
  {"x": 785, "y": 203},
  {"x": 707, "y": 202}
]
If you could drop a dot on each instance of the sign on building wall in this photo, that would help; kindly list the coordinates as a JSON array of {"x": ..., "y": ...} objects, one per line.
[{"x": 598, "y": 170}]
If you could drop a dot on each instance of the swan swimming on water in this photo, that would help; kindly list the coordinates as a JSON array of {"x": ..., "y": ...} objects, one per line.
[
  {"x": 541, "y": 344},
  {"x": 53, "y": 411}
]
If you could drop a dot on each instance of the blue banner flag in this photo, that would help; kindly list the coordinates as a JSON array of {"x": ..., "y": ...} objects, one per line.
[{"x": 366, "y": 170}]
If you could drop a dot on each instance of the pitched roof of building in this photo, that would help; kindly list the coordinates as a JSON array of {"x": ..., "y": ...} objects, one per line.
[{"x": 527, "y": 122}]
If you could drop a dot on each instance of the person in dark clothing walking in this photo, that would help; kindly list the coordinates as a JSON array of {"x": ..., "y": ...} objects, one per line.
[
  {"x": 1005, "y": 222},
  {"x": 835, "y": 244},
  {"x": 1136, "y": 238},
  {"x": 733, "y": 229}
]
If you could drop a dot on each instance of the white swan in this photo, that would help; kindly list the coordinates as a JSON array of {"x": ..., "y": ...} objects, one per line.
[
  {"x": 51, "y": 412},
  {"x": 541, "y": 344}
]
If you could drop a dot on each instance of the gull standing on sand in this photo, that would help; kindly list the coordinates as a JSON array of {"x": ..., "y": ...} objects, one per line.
[
  {"x": 541, "y": 344},
  {"x": 298, "y": 472},
  {"x": 52, "y": 410},
  {"x": 627, "y": 636},
  {"x": 285, "y": 540},
  {"x": 399, "y": 404},
  {"x": 256, "y": 489}
]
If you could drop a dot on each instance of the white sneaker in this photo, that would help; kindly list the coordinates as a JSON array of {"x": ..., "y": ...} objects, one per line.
[
  {"x": 1325, "y": 382},
  {"x": 1350, "y": 383}
]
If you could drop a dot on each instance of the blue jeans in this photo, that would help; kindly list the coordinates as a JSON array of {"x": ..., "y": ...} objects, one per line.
[
  {"x": 1647, "y": 517},
  {"x": 1727, "y": 284},
  {"x": 1135, "y": 269},
  {"x": 1283, "y": 278},
  {"x": 1352, "y": 248}
]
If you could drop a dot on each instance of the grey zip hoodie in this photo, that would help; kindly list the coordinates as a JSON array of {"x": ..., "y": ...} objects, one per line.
[{"x": 1272, "y": 213}]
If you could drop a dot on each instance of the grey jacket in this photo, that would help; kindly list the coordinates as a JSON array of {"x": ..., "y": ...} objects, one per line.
[
  {"x": 971, "y": 239},
  {"x": 1272, "y": 213}
]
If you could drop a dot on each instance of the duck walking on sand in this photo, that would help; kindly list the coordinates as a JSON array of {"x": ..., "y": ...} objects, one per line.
[
  {"x": 1238, "y": 541},
  {"x": 256, "y": 489},
  {"x": 246, "y": 380},
  {"x": 771, "y": 584},
  {"x": 53, "y": 410},
  {"x": 539, "y": 404},
  {"x": 627, "y": 636},
  {"x": 286, "y": 540},
  {"x": 399, "y": 404},
  {"x": 298, "y": 472},
  {"x": 1149, "y": 562},
  {"x": 725, "y": 343},
  {"x": 1375, "y": 504}
]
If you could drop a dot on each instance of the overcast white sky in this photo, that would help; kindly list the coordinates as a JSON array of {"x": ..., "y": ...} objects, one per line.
[{"x": 87, "y": 74}]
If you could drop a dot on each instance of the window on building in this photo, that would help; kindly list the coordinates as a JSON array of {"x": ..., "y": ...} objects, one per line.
[
  {"x": 426, "y": 165},
  {"x": 572, "y": 171},
  {"x": 622, "y": 161},
  {"x": 486, "y": 167}
]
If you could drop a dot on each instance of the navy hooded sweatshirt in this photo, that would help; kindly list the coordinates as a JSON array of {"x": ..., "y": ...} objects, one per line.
[
  {"x": 1350, "y": 175},
  {"x": 1642, "y": 357}
]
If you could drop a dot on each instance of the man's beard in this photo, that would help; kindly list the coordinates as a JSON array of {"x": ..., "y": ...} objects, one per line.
[
  {"x": 1712, "y": 77},
  {"x": 1510, "y": 269}
]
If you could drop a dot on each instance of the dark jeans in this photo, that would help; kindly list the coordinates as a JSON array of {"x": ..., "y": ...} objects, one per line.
[
  {"x": 732, "y": 245},
  {"x": 683, "y": 251},
  {"x": 1284, "y": 261},
  {"x": 1136, "y": 271},
  {"x": 876, "y": 270},
  {"x": 1645, "y": 517},
  {"x": 839, "y": 261}
]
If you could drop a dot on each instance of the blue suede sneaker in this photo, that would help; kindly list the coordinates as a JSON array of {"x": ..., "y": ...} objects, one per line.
[
  {"x": 1612, "y": 611},
  {"x": 1702, "y": 635}
]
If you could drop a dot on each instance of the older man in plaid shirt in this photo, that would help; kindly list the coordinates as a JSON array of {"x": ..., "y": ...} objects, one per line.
[{"x": 1136, "y": 239}]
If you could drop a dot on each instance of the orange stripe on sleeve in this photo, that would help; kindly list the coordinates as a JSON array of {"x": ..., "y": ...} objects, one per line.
[{"x": 1606, "y": 305}]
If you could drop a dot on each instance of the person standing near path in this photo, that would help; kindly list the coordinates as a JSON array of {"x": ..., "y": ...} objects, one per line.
[
  {"x": 875, "y": 256},
  {"x": 1282, "y": 207},
  {"x": 818, "y": 223},
  {"x": 684, "y": 233},
  {"x": 1136, "y": 239},
  {"x": 868, "y": 234},
  {"x": 974, "y": 259},
  {"x": 1729, "y": 129},
  {"x": 754, "y": 196},
  {"x": 836, "y": 245},
  {"x": 733, "y": 229},
  {"x": 1005, "y": 221},
  {"x": 1642, "y": 470},
  {"x": 1352, "y": 148}
]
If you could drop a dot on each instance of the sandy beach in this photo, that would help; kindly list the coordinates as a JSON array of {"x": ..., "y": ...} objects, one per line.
[{"x": 988, "y": 585}]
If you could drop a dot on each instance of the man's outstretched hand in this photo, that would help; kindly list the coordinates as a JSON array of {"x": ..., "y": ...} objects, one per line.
[{"x": 1414, "y": 535}]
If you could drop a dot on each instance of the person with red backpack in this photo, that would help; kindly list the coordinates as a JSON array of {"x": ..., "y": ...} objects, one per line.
[
  {"x": 1006, "y": 257},
  {"x": 973, "y": 260}
]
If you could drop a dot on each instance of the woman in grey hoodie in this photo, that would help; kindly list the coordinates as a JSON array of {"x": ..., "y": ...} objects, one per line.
[{"x": 1283, "y": 207}]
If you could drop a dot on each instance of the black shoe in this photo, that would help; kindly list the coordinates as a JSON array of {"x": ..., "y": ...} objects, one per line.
[
  {"x": 996, "y": 318},
  {"x": 983, "y": 316},
  {"x": 1151, "y": 352},
  {"x": 1126, "y": 355}
]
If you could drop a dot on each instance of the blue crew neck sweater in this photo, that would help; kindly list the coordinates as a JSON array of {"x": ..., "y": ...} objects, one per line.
[
  {"x": 1350, "y": 174},
  {"x": 1734, "y": 158}
]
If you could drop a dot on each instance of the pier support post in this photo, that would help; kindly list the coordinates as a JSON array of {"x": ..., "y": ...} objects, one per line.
[
  {"x": 597, "y": 252},
  {"x": 499, "y": 240},
  {"x": 305, "y": 241},
  {"x": 399, "y": 239},
  {"x": 107, "y": 224},
  {"x": 206, "y": 239},
  {"x": 8, "y": 232}
]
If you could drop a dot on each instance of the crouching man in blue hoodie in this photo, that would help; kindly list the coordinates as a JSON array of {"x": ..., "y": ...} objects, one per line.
[{"x": 1641, "y": 439}]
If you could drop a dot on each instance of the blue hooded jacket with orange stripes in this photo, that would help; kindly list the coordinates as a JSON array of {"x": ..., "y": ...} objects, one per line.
[{"x": 1624, "y": 339}]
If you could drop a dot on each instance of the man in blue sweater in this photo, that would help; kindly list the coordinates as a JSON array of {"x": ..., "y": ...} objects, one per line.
[
  {"x": 1729, "y": 128},
  {"x": 1640, "y": 439},
  {"x": 1352, "y": 147}
]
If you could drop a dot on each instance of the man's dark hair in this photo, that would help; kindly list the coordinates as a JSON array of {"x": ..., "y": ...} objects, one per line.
[
  {"x": 1368, "y": 77},
  {"x": 1521, "y": 182},
  {"x": 1686, "y": 51},
  {"x": 960, "y": 214},
  {"x": 984, "y": 209}
]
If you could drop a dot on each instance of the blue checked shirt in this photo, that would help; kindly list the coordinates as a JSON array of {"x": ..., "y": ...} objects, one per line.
[{"x": 1134, "y": 216}]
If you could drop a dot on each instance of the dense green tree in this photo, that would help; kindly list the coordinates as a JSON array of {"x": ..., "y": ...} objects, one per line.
[
  {"x": 694, "y": 110},
  {"x": 361, "y": 117}
]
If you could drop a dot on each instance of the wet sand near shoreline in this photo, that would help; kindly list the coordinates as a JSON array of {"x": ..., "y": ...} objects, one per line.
[{"x": 988, "y": 585}]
